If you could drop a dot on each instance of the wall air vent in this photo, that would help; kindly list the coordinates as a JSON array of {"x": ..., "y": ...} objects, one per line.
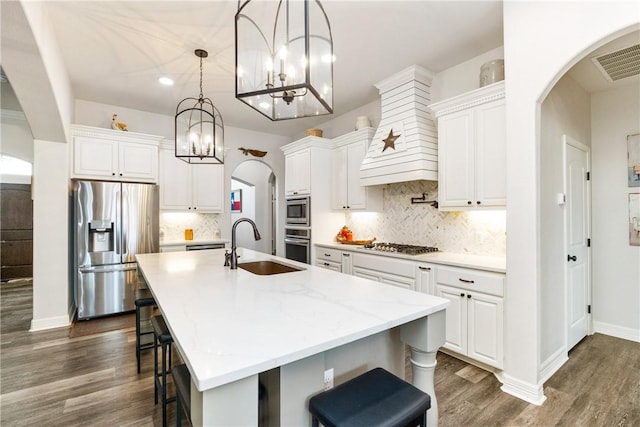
[{"x": 619, "y": 64}]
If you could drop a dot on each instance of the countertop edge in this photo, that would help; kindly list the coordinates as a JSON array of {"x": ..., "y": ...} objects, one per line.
[
  {"x": 192, "y": 242},
  {"x": 479, "y": 262}
]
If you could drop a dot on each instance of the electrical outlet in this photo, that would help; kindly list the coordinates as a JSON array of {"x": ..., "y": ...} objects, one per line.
[{"x": 328, "y": 379}]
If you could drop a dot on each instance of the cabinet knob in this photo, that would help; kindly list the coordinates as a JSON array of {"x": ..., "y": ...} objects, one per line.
[
  {"x": 194, "y": 208},
  {"x": 468, "y": 202},
  {"x": 120, "y": 174},
  {"x": 344, "y": 207},
  {"x": 572, "y": 258},
  {"x": 469, "y": 296},
  {"x": 189, "y": 207},
  {"x": 462, "y": 294},
  {"x": 478, "y": 202},
  {"x": 113, "y": 173}
]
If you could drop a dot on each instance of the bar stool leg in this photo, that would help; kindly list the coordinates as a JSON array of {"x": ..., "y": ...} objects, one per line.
[
  {"x": 138, "y": 337},
  {"x": 164, "y": 385},
  {"x": 155, "y": 369}
]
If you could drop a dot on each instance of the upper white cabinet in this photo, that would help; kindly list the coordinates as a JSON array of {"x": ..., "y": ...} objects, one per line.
[
  {"x": 190, "y": 187},
  {"x": 472, "y": 149},
  {"x": 297, "y": 181},
  {"x": 114, "y": 155},
  {"x": 347, "y": 155}
]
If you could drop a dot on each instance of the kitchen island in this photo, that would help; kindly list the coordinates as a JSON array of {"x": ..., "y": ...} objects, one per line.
[{"x": 231, "y": 326}]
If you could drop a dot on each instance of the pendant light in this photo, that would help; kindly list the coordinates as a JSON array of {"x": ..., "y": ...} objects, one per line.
[
  {"x": 199, "y": 128},
  {"x": 284, "y": 58}
]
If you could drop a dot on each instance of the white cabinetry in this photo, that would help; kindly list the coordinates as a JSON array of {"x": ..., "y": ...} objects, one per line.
[
  {"x": 475, "y": 317},
  {"x": 392, "y": 271},
  {"x": 190, "y": 187},
  {"x": 112, "y": 155},
  {"x": 297, "y": 179},
  {"x": 425, "y": 278},
  {"x": 334, "y": 259},
  {"x": 347, "y": 155},
  {"x": 472, "y": 149}
]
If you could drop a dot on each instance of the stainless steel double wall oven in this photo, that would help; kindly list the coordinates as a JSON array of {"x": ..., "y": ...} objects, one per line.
[{"x": 297, "y": 231}]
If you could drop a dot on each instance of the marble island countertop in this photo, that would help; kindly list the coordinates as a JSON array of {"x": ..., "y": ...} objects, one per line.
[
  {"x": 482, "y": 262},
  {"x": 231, "y": 324}
]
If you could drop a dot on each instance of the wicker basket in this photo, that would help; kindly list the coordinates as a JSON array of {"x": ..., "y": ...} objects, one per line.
[{"x": 314, "y": 132}]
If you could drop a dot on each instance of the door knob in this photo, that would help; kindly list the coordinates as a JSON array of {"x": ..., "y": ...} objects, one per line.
[{"x": 571, "y": 258}]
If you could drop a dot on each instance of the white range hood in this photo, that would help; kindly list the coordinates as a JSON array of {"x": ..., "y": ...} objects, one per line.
[{"x": 405, "y": 145}]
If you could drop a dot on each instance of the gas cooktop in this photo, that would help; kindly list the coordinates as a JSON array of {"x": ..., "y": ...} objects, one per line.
[{"x": 401, "y": 248}]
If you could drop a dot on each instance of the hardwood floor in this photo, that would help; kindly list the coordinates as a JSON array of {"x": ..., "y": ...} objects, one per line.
[{"x": 51, "y": 379}]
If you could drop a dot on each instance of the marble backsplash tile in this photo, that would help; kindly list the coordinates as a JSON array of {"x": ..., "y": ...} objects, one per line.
[
  {"x": 479, "y": 233},
  {"x": 205, "y": 226}
]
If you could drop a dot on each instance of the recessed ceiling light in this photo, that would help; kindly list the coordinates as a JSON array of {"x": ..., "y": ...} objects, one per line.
[{"x": 165, "y": 81}]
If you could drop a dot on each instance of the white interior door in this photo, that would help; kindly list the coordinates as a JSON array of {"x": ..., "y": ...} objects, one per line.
[{"x": 577, "y": 229}]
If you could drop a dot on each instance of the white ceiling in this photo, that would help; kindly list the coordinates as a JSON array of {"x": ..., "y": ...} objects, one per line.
[{"x": 115, "y": 51}]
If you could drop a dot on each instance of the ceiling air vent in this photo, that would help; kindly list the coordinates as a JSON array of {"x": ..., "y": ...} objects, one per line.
[{"x": 619, "y": 64}]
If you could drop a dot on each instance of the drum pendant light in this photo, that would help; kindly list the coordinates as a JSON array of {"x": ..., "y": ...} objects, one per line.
[
  {"x": 199, "y": 128},
  {"x": 284, "y": 58}
]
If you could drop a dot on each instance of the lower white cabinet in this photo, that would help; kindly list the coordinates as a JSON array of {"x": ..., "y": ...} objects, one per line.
[
  {"x": 190, "y": 187},
  {"x": 425, "y": 278},
  {"x": 334, "y": 259},
  {"x": 392, "y": 271},
  {"x": 474, "y": 319}
]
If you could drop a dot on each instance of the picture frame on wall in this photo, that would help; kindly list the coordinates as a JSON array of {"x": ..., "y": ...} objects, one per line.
[
  {"x": 633, "y": 159},
  {"x": 634, "y": 219},
  {"x": 236, "y": 201}
]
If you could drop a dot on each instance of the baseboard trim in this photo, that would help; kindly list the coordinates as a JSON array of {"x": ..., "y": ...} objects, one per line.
[
  {"x": 617, "y": 331},
  {"x": 532, "y": 393},
  {"x": 49, "y": 323},
  {"x": 552, "y": 364}
]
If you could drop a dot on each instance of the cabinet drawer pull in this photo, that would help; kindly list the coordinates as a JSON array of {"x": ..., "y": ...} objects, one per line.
[
  {"x": 424, "y": 268},
  {"x": 327, "y": 254},
  {"x": 326, "y": 263},
  {"x": 346, "y": 254},
  {"x": 466, "y": 281}
]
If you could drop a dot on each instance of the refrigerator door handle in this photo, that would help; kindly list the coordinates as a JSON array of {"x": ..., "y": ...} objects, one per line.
[
  {"x": 119, "y": 224},
  {"x": 107, "y": 269}
]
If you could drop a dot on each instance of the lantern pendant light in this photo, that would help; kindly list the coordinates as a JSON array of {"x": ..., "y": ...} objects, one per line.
[
  {"x": 284, "y": 58},
  {"x": 199, "y": 128}
]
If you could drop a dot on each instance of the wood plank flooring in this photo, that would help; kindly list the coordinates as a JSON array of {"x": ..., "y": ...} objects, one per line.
[{"x": 53, "y": 378}]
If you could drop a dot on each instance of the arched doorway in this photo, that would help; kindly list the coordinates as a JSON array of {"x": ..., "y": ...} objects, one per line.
[{"x": 253, "y": 186}]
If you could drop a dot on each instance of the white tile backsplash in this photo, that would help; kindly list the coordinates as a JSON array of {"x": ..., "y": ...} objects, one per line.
[
  {"x": 205, "y": 226},
  {"x": 479, "y": 233}
]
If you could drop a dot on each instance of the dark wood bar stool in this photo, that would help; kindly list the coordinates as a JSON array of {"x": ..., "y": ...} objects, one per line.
[
  {"x": 375, "y": 398},
  {"x": 163, "y": 339},
  {"x": 143, "y": 298},
  {"x": 182, "y": 381}
]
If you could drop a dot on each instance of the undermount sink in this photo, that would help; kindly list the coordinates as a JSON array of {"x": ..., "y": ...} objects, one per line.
[{"x": 265, "y": 268}]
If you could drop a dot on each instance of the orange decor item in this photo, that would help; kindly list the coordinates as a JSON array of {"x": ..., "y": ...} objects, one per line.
[{"x": 188, "y": 234}]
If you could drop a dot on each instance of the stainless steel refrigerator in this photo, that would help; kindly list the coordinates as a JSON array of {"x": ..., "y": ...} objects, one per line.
[{"x": 113, "y": 222}]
